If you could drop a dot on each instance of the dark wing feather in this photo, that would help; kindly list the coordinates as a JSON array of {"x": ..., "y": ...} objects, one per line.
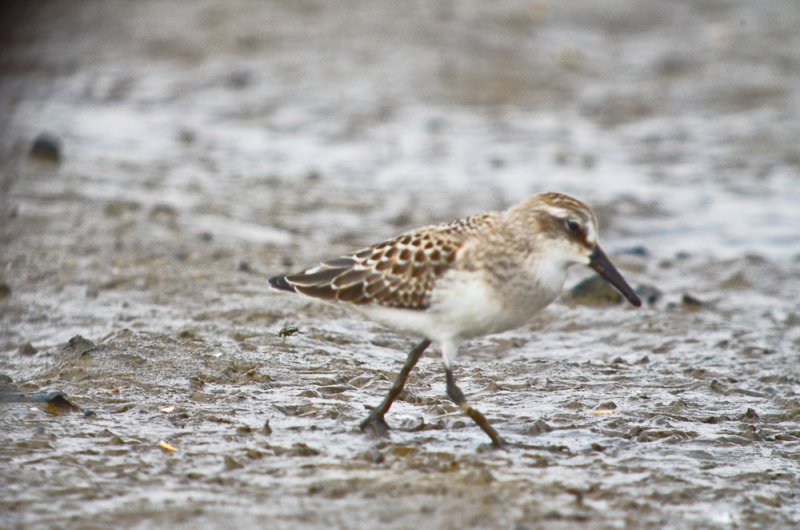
[{"x": 399, "y": 272}]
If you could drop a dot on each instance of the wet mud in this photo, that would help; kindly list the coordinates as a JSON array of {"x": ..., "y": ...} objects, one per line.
[{"x": 162, "y": 159}]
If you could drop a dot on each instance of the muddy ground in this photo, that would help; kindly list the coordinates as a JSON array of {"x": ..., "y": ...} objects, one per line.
[{"x": 197, "y": 148}]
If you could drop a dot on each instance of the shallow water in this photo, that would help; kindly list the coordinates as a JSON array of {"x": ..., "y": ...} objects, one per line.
[{"x": 206, "y": 147}]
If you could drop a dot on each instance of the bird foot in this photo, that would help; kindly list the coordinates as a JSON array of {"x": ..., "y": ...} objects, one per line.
[
  {"x": 501, "y": 443},
  {"x": 375, "y": 425}
]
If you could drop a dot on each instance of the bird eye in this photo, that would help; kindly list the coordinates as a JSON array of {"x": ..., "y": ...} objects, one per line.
[{"x": 573, "y": 227}]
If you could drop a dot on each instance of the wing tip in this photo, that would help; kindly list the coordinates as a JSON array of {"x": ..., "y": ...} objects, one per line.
[{"x": 279, "y": 282}]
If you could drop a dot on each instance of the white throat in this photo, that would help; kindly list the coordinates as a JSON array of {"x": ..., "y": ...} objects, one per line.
[{"x": 549, "y": 268}]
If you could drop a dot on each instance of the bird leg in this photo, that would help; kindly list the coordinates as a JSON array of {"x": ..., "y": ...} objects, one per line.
[
  {"x": 455, "y": 394},
  {"x": 375, "y": 424}
]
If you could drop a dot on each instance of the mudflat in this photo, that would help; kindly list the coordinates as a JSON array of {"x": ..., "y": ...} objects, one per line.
[{"x": 162, "y": 159}]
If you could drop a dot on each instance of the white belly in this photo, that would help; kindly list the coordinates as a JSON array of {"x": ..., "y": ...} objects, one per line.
[{"x": 464, "y": 305}]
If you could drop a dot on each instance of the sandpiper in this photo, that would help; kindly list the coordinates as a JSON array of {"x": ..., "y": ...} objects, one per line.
[{"x": 475, "y": 276}]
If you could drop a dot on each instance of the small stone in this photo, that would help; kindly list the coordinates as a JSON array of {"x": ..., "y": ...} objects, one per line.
[
  {"x": 57, "y": 403},
  {"x": 164, "y": 213},
  {"x": 634, "y": 251},
  {"x": 303, "y": 449},
  {"x": 239, "y": 79},
  {"x": 716, "y": 386},
  {"x": 231, "y": 463},
  {"x": 78, "y": 346},
  {"x": 496, "y": 162},
  {"x": 691, "y": 302},
  {"x": 46, "y": 147},
  {"x": 27, "y": 349},
  {"x": 649, "y": 293},
  {"x": 553, "y": 515},
  {"x": 5, "y": 290},
  {"x": 245, "y": 267},
  {"x": 254, "y": 454},
  {"x": 595, "y": 291},
  {"x": 186, "y": 136},
  {"x": 538, "y": 427},
  {"x": 117, "y": 208},
  {"x": 608, "y": 405},
  {"x": 561, "y": 158},
  {"x": 187, "y": 334},
  {"x": 750, "y": 414}
]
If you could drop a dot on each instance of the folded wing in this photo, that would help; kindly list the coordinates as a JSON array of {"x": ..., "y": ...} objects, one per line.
[{"x": 399, "y": 272}]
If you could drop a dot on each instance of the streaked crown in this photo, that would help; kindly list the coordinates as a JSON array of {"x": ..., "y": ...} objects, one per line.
[{"x": 559, "y": 224}]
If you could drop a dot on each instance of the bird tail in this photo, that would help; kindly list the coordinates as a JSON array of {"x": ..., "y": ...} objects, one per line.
[{"x": 279, "y": 282}]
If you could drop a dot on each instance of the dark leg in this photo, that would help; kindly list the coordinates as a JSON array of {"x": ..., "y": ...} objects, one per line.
[
  {"x": 375, "y": 424},
  {"x": 455, "y": 393}
]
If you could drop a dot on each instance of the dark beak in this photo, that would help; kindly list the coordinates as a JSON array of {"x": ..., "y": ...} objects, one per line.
[{"x": 600, "y": 263}]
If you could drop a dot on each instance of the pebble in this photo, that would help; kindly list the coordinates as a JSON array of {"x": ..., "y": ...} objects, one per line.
[
  {"x": 634, "y": 251},
  {"x": 27, "y": 348},
  {"x": 46, "y": 147},
  {"x": 690, "y": 302},
  {"x": 57, "y": 403},
  {"x": 649, "y": 293},
  {"x": 750, "y": 414},
  {"x": 78, "y": 346},
  {"x": 595, "y": 291},
  {"x": 538, "y": 427}
]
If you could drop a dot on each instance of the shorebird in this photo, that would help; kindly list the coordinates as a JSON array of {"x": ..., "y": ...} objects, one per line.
[{"x": 451, "y": 282}]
